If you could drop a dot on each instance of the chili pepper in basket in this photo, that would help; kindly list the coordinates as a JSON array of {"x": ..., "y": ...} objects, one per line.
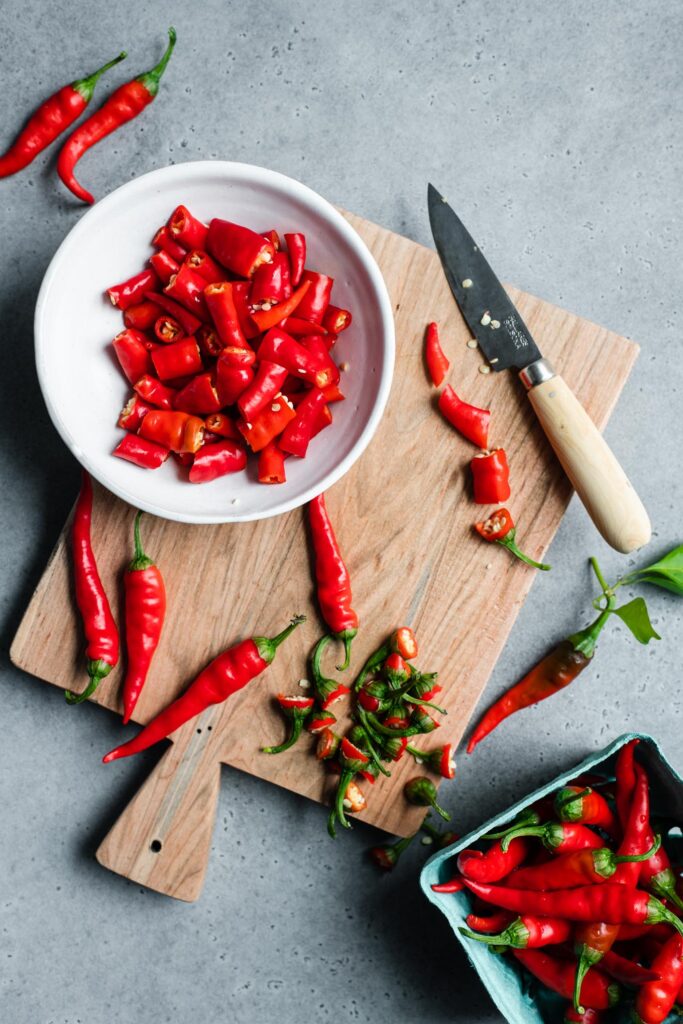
[
  {"x": 558, "y": 837},
  {"x": 186, "y": 230},
  {"x": 123, "y": 105},
  {"x": 526, "y": 932},
  {"x": 222, "y": 677},
  {"x": 333, "y": 583},
  {"x": 656, "y": 999},
  {"x": 656, "y": 874},
  {"x": 609, "y": 902},
  {"x": 271, "y": 464},
  {"x": 139, "y": 451},
  {"x": 625, "y": 776},
  {"x": 558, "y": 976},
  {"x": 102, "y": 636},
  {"x": 493, "y": 865},
  {"x": 592, "y": 941},
  {"x": 238, "y": 248},
  {"x": 557, "y": 670},
  {"x": 296, "y": 249},
  {"x": 421, "y": 791},
  {"x": 499, "y": 528},
  {"x": 626, "y": 971},
  {"x": 581, "y": 867},
  {"x": 468, "y": 420},
  {"x": 495, "y": 922},
  {"x": 145, "y": 595},
  {"x": 490, "y": 477},
  {"x": 178, "y": 431},
  {"x": 589, "y": 1016},
  {"x": 586, "y": 807},
  {"x": 437, "y": 363},
  {"x": 216, "y": 460},
  {"x": 296, "y": 709},
  {"x": 51, "y": 118}
]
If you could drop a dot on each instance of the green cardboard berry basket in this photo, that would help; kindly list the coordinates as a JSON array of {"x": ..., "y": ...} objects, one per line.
[{"x": 519, "y": 997}]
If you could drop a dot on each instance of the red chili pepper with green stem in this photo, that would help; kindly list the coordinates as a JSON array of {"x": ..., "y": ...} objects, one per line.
[
  {"x": 333, "y": 582},
  {"x": 499, "y": 528},
  {"x": 496, "y": 863},
  {"x": 145, "y": 595},
  {"x": 526, "y": 932},
  {"x": 122, "y": 106},
  {"x": 558, "y": 837},
  {"x": 353, "y": 760},
  {"x": 51, "y": 118},
  {"x": 558, "y": 976},
  {"x": 222, "y": 677},
  {"x": 625, "y": 776},
  {"x": 585, "y": 807},
  {"x": 581, "y": 867},
  {"x": 102, "y": 650},
  {"x": 296, "y": 709}
]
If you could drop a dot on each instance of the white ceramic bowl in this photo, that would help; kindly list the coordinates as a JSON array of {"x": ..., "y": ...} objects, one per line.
[{"x": 84, "y": 388}]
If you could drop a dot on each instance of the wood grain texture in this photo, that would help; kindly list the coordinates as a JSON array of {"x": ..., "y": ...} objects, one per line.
[{"x": 403, "y": 516}]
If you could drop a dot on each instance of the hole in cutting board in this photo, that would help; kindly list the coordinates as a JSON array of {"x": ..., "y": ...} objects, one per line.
[{"x": 155, "y": 846}]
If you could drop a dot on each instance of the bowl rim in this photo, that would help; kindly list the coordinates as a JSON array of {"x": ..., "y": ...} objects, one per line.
[{"x": 196, "y": 169}]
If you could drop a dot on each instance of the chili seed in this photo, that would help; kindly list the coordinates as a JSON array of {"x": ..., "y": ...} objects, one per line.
[
  {"x": 484, "y": 369},
  {"x": 486, "y": 319},
  {"x": 495, "y": 324},
  {"x": 472, "y": 343},
  {"x": 467, "y": 283}
]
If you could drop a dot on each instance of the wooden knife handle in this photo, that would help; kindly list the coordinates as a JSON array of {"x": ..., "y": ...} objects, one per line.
[
  {"x": 163, "y": 838},
  {"x": 590, "y": 464}
]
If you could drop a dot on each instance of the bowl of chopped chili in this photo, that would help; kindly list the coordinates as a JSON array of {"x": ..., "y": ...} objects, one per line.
[
  {"x": 85, "y": 389},
  {"x": 519, "y": 996}
]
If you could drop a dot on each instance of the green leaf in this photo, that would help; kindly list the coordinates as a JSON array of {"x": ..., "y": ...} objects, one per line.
[
  {"x": 666, "y": 573},
  {"x": 636, "y": 617}
]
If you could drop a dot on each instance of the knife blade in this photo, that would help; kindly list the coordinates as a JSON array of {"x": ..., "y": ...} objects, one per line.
[{"x": 504, "y": 338}]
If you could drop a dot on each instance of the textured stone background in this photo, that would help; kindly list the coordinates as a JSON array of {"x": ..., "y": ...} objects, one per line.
[{"x": 555, "y": 129}]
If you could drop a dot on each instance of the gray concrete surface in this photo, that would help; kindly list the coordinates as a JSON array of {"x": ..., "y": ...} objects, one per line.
[{"x": 556, "y": 130}]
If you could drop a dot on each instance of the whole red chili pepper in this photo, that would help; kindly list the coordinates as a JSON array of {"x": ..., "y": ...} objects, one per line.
[
  {"x": 490, "y": 477},
  {"x": 296, "y": 709},
  {"x": 558, "y": 837},
  {"x": 301, "y": 430},
  {"x": 581, "y": 867},
  {"x": 130, "y": 292},
  {"x": 317, "y": 298},
  {"x": 609, "y": 902},
  {"x": 637, "y": 835},
  {"x": 526, "y": 932},
  {"x": 552, "y": 673},
  {"x": 495, "y": 863},
  {"x": 145, "y": 595},
  {"x": 220, "y": 299},
  {"x": 271, "y": 464},
  {"x": 437, "y": 363},
  {"x": 656, "y": 999},
  {"x": 238, "y": 248},
  {"x": 186, "y": 230},
  {"x": 468, "y": 420},
  {"x": 102, "y": 649},
  {"x": 592, "y": 941},
  {"x": 333, "y": 583},
  {"x": 198, "y": 396},
  {"x": 586, "y": 807},
  {"x": 265, "y": 319},
  {"x": 625, "y": 775},
  {"x": 177, "y": 360},
  {"x": 558, "y": 975},
  {"x": 656, "y": 874},
  {"x": 499, "y": 528},
  {"x": 141, "y": 452},
  {"x": 216, "y": 460},
  {"x": 222, "y": 677},
  {"x": 50, "y": 119},
  {"x": 626, "y": 971},
  {"x": 296, "y": 248},
  {"x": 123, "y": 105}
]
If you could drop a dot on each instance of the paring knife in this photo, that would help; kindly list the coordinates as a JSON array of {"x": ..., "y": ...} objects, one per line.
[{"x": 588, "y": 461}]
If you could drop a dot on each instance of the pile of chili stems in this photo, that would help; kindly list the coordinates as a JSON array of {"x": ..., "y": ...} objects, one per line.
[
  {"x": 489, "y": 467},
  {"x": 391, "y": 699},
  {"x": 581, "y": 892},
  {"x": 227, "y": 345},
  {"x": 64, "y": 107}
]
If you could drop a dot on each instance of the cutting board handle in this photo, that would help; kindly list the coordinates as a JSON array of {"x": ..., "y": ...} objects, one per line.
[
  {"x": 163, "y": 838},
  {"x": 590, "y": 464}
]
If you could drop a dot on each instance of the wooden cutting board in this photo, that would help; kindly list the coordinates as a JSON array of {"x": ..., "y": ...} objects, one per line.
[{"x": 403, "y": 517}]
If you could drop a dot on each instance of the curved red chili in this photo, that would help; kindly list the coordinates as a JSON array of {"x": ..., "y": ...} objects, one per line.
[
  {"x": 558, "y": 837},
  {"x": 296, "y": 249},
  {"x": 558, "y": 975},
  {"x": 495, "y": 864},
  {"x": 586, "y": 807},
  {"x": 437, "y": 362},
  {"x": 145, "y": 595},
  {"x": 581, "y": 867},
  {"x": 625, "y": 775},
  {"x": 123, "y": 105},
  {"x": 222, "y": 677},
  {"x": 656, "y": 999},
  {"x": 50, "y": 119},
  {"x": 333, "y": 581},
  {"x": 468, "y": 420},
  {"x": 526, "y": 932},
  {"x": 102, "y": 650}
]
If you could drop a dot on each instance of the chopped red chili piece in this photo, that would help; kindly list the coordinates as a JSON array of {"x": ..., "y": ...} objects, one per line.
[
  {"x": 223, "y": 426},
  {"x": 167, "y": 329},
  {"x": 198, "y": 396},
  {"x": 271, "y": 464},
  {"x": 231, "y": 380},
  {"x": 142, "y": 315},
  {"x": 336, "y": 319},
  {"x": 298, "y": 433},
  {"x": 296, "y": 248},
  {"x": 237, "y": 247},
  {"x": 266, "y": 384},
  {"x": 203, "y": 265},
  {"x": 179, "y": 359},
  {"x": 164, "y": 266},
  {"x": 270, "y": 284},
  {"x": 133, "y": 290},
  {"x": 132, "y": 354},
  {"x": 153, "y": 391},
  {"x": 190, "y": 322},
  {"x": 297, "y": 710},
  {"x": 499, "y": 528},
  {"x": 491, "y": 477},
  {"x": 317, "y": 298},
  {"x": 164, "y": 240},
  {"x": 220, "y": 300},
  {"x": 187, "y": 288},
  {"x": 437, "y": 367},
  {"x": 299, "y": 328},
  {"x": 268, "y": 424},
  {"x": 178, "y": 431},
  {"x": 140, "y": 451},
  {"x": 328, "y": 744},
  {"x": 279, "y": 347},
  {"x": 267, "y": 318},
  {"x": 186, "y": 230},
  {"x": 215, "y": 460},
  {"x": 468, "y": 420},
  {"x": 132, "y": 414}
]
